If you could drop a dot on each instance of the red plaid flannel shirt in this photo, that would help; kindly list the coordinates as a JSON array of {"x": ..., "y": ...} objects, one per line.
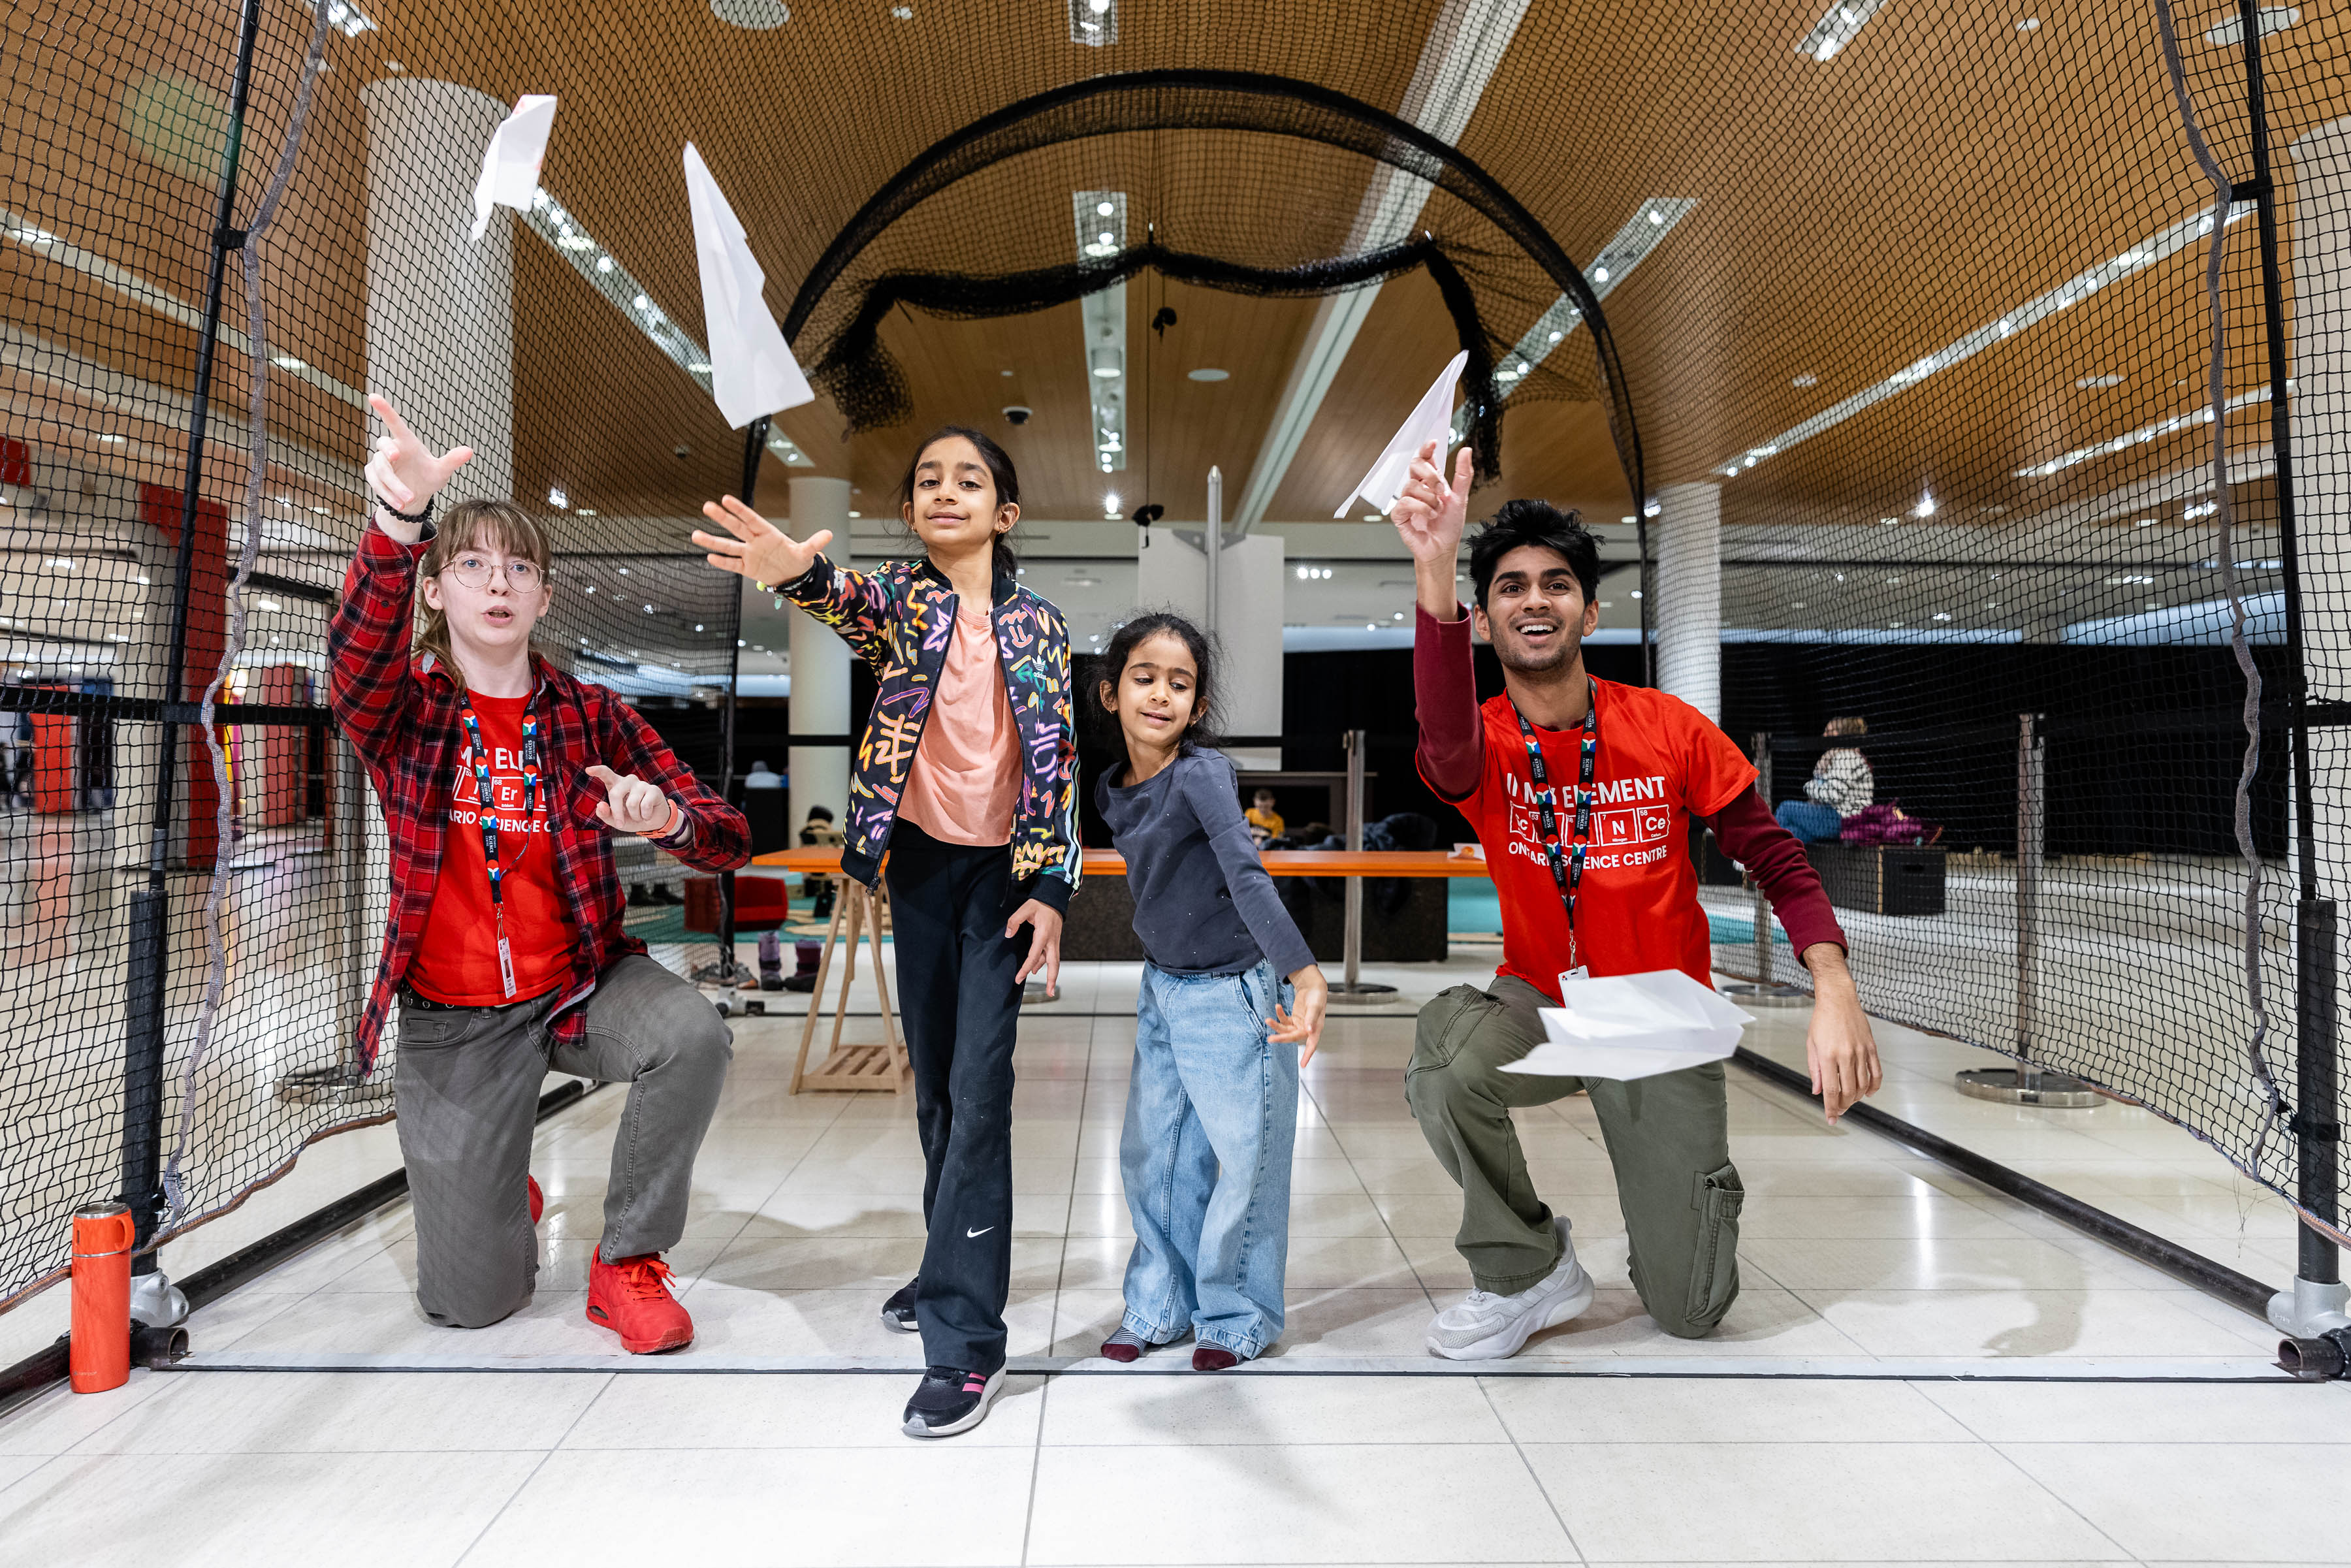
[{"x": 400, "y": 713}]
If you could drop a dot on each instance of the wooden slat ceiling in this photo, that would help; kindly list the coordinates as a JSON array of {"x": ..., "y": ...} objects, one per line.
[{"x": 1852, "y": 216}]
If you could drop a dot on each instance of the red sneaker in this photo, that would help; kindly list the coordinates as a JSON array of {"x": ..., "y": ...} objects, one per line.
[
  {"x": 538, "y": 1200},
  {"x": 632, "y": 1298}
]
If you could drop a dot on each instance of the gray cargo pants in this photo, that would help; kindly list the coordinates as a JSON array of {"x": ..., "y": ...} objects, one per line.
[{"x": 466, "y": 1096}]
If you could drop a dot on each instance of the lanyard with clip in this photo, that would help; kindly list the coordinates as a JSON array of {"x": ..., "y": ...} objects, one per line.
[
  {"x": 485, "y": 793},
  {"x": 1567, "y": 865}
]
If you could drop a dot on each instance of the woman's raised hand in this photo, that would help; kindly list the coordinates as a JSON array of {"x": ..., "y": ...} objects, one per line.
[
  {"x": 755, "y": 546},
  {"x": 403, "y": 469}
]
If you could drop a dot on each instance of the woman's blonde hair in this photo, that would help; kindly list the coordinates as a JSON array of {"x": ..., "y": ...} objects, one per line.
[
  {"x": 475, "y": 524},
  {"x": 1856, "y": 725}
]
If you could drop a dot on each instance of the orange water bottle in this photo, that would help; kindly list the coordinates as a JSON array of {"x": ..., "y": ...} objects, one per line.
[{"x": 103, "y": 1235}]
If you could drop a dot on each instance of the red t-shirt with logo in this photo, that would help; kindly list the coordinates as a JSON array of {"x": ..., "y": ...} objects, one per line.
[
  {"x": 457, "y": 957},
  {"x": 1660, "y": 762}
]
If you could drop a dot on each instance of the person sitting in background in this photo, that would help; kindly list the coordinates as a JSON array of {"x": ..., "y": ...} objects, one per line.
[
  {"x": 1841, "y": 783},
  {"x": 1265, "y": 823},
  {"x": 762, "y": 777},
  {"x": 818, "y": 831}
]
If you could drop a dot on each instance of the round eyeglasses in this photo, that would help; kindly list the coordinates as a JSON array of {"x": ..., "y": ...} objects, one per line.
[{"x": 474, "y": 572}]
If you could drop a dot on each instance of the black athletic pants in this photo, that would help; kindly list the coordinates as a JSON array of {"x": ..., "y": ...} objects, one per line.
[{"x": 949, "y": 903}]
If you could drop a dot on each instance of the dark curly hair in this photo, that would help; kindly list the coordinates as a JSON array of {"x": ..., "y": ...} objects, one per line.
[
  {"x": 1201, "y": 733},
  {"x": 1539, "y": 523}
]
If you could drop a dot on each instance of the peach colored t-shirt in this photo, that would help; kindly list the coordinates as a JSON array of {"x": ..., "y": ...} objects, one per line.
[{"x": 965, "y": 780}]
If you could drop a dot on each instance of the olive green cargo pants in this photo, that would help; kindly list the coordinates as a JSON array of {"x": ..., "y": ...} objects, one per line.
[{"x": 1667, "y": 1137}]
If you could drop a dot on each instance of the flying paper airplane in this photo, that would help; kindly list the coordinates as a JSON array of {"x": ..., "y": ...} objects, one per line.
[
  {"x": 510, "y": 163},
  {"x": 1432, "y": 421},
  {"x": 752, "y": 372},
  {"x": 1631, "y": 1026}
]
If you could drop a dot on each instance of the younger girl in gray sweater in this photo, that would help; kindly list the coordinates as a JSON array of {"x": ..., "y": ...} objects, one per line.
[{"x": 1212, "y": 1108}]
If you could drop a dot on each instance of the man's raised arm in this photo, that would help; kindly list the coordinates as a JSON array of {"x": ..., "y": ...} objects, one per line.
[{"x": 1428, "y": 517}]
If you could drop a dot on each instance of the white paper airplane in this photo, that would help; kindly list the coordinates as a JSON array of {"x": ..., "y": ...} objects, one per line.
[
  {"x": 510, "y": 163},
  {"x": 752, "y": 370},
  {"x": 1432, "y": 421},
  {"x": 1631, "y": 1026}
]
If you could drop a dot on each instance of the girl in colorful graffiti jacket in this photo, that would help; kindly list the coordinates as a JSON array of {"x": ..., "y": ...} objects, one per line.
[{"x": 966, "y": 774}]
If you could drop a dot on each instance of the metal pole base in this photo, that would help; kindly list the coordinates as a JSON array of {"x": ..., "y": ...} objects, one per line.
[
  {"x": 1769, "y": 994},
  {"x": 156, "y": 1301},
  {"x": 2309, "y": 1308},
  {"x": 727, "y": 972},
  {"x": 1358, "y": 994},
  {"x": 1034, "y": 993},
  {"x": 2017, "y": 1086},
  {"x": 330, "y": 1086}
]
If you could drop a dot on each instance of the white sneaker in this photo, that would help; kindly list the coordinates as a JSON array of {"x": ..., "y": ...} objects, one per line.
[{"x": 1482, "y": 1326}]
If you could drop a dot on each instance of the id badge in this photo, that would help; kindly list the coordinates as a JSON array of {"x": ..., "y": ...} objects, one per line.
[
  {"x": 1568, "y": 976},
  {"x": 506, "y": 956}
]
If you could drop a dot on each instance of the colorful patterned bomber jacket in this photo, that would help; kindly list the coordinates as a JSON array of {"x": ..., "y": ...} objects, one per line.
[{"x": 899, "y": 619}]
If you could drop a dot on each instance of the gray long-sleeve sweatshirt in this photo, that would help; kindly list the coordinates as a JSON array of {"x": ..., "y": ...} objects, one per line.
[{"x": 1202, "y": 902}]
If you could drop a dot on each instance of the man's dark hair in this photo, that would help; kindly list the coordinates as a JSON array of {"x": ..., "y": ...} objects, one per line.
[
  {"x": 1538, "y": 523},
  {"x": 820, "y": 814}
]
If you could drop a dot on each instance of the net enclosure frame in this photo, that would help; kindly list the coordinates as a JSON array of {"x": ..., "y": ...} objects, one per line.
[{"x": 178, "y": 1072}]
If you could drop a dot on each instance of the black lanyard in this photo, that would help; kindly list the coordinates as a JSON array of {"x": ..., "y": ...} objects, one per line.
[
  {"x": 1566, "y": 866},
  {"x": 485, "y": 793}
]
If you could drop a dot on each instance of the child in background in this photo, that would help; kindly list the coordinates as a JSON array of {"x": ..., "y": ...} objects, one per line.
[
  {"x": 967, "y": 775},
  {"x": 818, "y": 832},
  {"x": 1265, "y": 823},
  {"x": 1212, "y": 1108}
]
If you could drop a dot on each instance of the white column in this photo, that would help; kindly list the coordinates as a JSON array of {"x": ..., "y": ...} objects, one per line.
[
  {"x": 819, "y": 699},
  {"x": 1252, "y": 587},
  {"x": 2320, "y": 245},
  {"x": 1687, "y": 617},
  {"x": 440, "y": 321}
]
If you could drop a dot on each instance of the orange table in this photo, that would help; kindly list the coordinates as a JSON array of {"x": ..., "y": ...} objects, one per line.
[{"x": 1277, "y": 862}]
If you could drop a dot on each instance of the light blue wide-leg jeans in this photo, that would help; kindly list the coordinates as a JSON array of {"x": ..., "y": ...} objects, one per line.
[{"x": 1211, "y": 1117}]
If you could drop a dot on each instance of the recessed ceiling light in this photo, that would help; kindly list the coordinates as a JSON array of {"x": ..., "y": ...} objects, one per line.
[
  {"x": 586, "y": 512},
  {"x": 2088, "y": 382},
  {"x": 556, "y": 497},
  {"x": 2028, "y": 24},
  {"x": 1804, "y": 378},
  {"x": 753, "y": 15},
  {"x": 902, "y": 13},
  {"x": 1207, "y": 373}
]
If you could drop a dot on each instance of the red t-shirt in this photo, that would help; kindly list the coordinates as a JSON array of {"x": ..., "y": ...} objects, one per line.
[
  {"x": 1660, "y": 762},
  {"x": 457, "y": 957}
]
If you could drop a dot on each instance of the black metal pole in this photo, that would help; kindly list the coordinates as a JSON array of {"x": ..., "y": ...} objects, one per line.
[
  {"x": 2316, "y": 1123},
  {"x": 142, "y": 1075},
  {"x": 755, "y": 446}
]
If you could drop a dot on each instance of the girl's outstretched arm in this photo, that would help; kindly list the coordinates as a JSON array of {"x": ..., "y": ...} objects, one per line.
[{"x": 851, "y": 602}]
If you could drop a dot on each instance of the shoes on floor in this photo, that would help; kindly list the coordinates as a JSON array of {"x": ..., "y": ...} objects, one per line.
[
  {"x": 538, "y": 1200},
  {"x": 1483, "y": 1326},
  {"x": 639, "y": 898},
  {"x": 665, "y": 894},
  {"x": 1214, "y": 1358},
  {"x": 632, "y": 1298},
  {"x": 949, "y": 1401},
  {"x": 898, "y": 1312}
]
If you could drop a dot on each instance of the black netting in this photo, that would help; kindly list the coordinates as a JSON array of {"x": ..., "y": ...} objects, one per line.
[{"x": 1936, "y": 305}]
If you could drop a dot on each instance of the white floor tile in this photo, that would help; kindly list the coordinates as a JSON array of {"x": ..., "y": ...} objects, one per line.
[
  {"x": 1716, "y": 1410},
  {"x": 2314, "y": 1413},
  {"x": 260, "y": 1510},
  {"x": 749, "y": 1410},
  {"x": 1805, "y": 1503},
  {"x": 1150, "y": 1411},
  {"x": 2201, "y": 1501},
  {"x": 358, "y": 1412},
  {"x": 1399, "y": 1503},
  {"x": 944, "y": 1503}
]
